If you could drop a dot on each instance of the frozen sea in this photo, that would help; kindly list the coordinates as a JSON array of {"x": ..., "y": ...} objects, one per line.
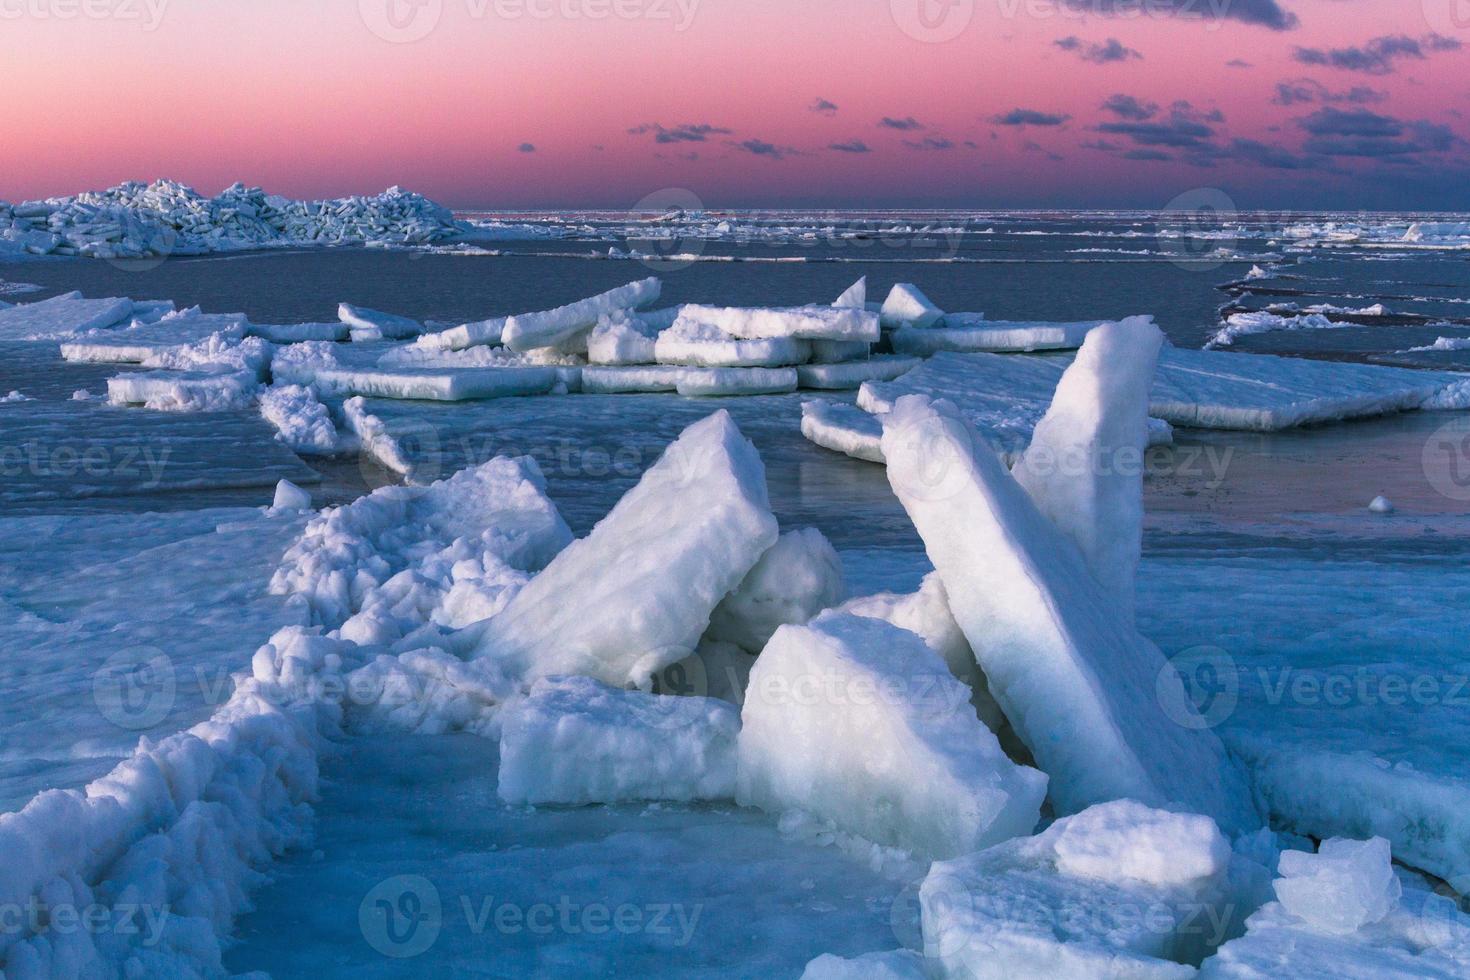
[{"x": 1264, "y": 572}]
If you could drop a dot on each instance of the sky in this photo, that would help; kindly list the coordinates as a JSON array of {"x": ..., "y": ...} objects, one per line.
[{"x": 1342, "y": 104}]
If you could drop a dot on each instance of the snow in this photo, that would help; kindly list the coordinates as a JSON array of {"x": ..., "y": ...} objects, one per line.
[
  {"x": 560, "y": 327},
  {"x": 574, "y": 741},
  {"x": 1085, "y": 691},
  {"x": 366, "y": 325},
  {"x": 1095, "y": 895},
  {"x": 796, "y": 579},
  {"x": 859, "y": 724},
  {"x": 636, "y": 594},
  {"x": 1239, "y": 325},
  {"x": 854, "y": 373},
  {"x": 624, "y": 380},
  {"x": 952, "y": 334},
  {"x": 1345, "y": 886},
  {"x": 183, "y": 391},
  {"x": 907, "y": 306},
  {"x": 795, "y": 323},
  {"x": 301, "y": 421},
  {"x": 624, "y": 337},
  {"x": 690, "y": 342},
  {"x": 218, "y": 353},
  {"x": 902, "y": 964},
  {"x": 710, "y": 382},
  {"x": 61, "y": 316},
  {"x": 1084, "y": 467},
  {"x": 844, "y": 429}
]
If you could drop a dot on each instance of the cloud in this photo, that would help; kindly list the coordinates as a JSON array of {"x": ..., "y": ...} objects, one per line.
[
  {"x": 1129, "y": 107},
  {"x": 527, "y": 148},
  {"x": 1266, "y": 155},
  {"x": 1377, "y": 56},
  {"x": 1361, "y": 133},
  {"x": 907, "y": 124},
  {"x": 930, "y": 143},
  {"x": 851, "y": 146},
  {"x": 761, "y": 148},
  {"x": 1150, "y": 155},
  {"x": 1108, "y": 52},
  {"x": 1029, "y": 117},
  {"x": 1304, "y": 91},
  {"x": 1262, "y": 13},
  {"x": 1185, "y": 128},
  {"x": 823, "y": 107},
  {"x": 683, "y": 133},
  {"x": 1238, "y": 63}
]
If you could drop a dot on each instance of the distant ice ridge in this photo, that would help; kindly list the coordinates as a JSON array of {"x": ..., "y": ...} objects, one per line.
[{"x": 137, "y": 220}]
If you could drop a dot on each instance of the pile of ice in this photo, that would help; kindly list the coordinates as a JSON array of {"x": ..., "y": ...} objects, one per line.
[{"x": 134, "y": 220}]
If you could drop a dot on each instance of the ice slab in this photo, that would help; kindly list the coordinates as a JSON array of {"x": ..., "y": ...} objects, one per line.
[
  {"x": 859, "y": 723},
  {"x": 184, "y": 391},
  {"x": 954, "y": 334},
  {"x": 364, "y": 324},
  {"x": 466, "y": 335},
  {"x": 436, "y": 384},
  {"x": 838, "y": 351},
  {"x": 844, "y": 429},
  {"x": 624, "y": 380},
  {"x": 626, "y": 337},
  {"x": 636, "y": 594},
  {"x": 710, "y": 382},
  {"x": 138, "y": 343},
  {"x": 575, "y": 741},
  {"x": 1118, "y": 891},
  {"x": 558, "y": 327},
  {"x": 61, "y": 316},
  {"x": 796, "y": 579},
  {"x": 854, "y": 373},
  {"x": 1102, "y": 712},
  {"x": 854, "y": 297},
  {"x": 907, "y": 306},
  {"x": 295, "y": 333},
  {"x": 797, "y": 323},
  {"x": 695, "y": 344}
]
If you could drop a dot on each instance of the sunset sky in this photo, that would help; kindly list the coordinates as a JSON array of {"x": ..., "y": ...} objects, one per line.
[{"x": 544, "y": 103}]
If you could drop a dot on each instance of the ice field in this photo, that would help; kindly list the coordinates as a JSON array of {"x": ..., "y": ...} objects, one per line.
[{"x": 488, "y": 601}]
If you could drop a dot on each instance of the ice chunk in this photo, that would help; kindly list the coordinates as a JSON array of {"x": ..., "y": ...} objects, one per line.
[
  {"x": 1346, "y": 885},
  {"x": 1086, "y": 693},
  {"x": 689, "y": 342},
  {"x": 290, "y": 497},
  {"x": 797, "y": 578},
  {"x": 302, "y": 422},
  {"x": 466, "y": 335},
  {"x": 61, "y": 316},
  {"x": 183, "y": 391},
  {"x": 13, "y": 397},
  {"x": 577, "y": 741},
  {"x": 705, "y": 382},
  {"x": 141, "y": 341},
  {"x": 797, "y": 323},
  {"x": 1381, "y": 505},
  {"x": 1260, "y": 321},
  {"x": 839, "y": 351},
  {"x": 954, "y": 334},
  {"x": 621, "y": 380},
  {"x": 907, "y": 306},
  {"x": 636, "y": 594},
  {"x": 843, "y": 429},
  {"x": 215, "y": 354},
  {"x": 436, "y": 384},
  {"x": 1084, "y": 468},
  {"x": 295, "y": 333},
  {"x": 365, "y": 324},
  {"x": 558, "y": 327},
  {"x": 859, "y": 723},
  {"x": 853, "y": 374},
  {"x": 1095, "y": 895},
  {"x": 625, "y": 337},
  {"x": 900, "y": 964},
  {"x": 376, "y": 442},
  {"x": 855, "y": 297}
]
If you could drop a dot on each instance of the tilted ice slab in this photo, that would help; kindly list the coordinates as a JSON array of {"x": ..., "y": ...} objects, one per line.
[
  {"x": 709, "y": 382},
  {"x": 854, "y": 373},
  {"x": 636, "y": 594},
  {"x": 558, "y": 327},
  {"x": 464, "y": 336},
  {"x": 907, "y": 306},
  {"x": 184, "y": 391},
  {"x": 139, "y": 342},
  {"x": 1102, "y": 712},
  {"x": 1118, "y": 891},
  {"x": 365, "y": 324},
  {"x": 843, "y": 428},
  {"x": 953, "y": 333},
  {"x": 859, "y": 723},
  {"x": 797, "y": 323},
  {"x": 61, "y": 316},
  {"x": 689, "y": 342},
  {"x": 576, "y": 741}
]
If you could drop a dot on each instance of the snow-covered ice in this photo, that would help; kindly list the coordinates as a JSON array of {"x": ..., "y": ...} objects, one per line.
[
  {"x": 844, "y": 429},
  {"x": 562, "y": 326},
  {"x": 690, "y": 342},
  {"x": 367, "y": 325},
  {"x": 710, "y": 382},
  {"x": 302, "y": 422},
  {"x": 627, "y": 337},
  {"x": 141, "y": 341},
  {"x": 183, "y": 391},
  {"x": 796, "y": 323},
  {"x": 62, "y": 316},
  {"x": 633, "y": 378}
]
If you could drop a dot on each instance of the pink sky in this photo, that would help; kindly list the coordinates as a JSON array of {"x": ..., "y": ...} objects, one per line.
[{"x": 307, "y": 100}]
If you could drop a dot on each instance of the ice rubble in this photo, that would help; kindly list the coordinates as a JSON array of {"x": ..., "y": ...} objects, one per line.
[
  {"x": 364, "y": 324},
  {"x": 62, "y": 316},
  {"x": 640, "y": 609},
  {"x": 1239, "y": 325},
  {"x": 907, "y": 306},
  {"x": 798, "y": 577},
  {"x": 561, "y": 327},
  {"x": 624, "y": 337},
  {"x": 302, "y": 422},
  {"x": 858, "y": 723},
  {"x": 1060, "y": 657},
  {"x": 695, "y": 344},
  {"x": 575, "y": 741},
  {"x": 166, "y": 218}
]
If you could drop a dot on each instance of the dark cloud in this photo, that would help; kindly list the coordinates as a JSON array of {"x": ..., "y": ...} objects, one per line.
[
  {"x": 1129, "y": 107},
  {"x": 527, "y": 148},
  {"x": 823, "y": 107},
  {"x": 1263, "y": 13},
  {"x": 1183, "y": 129},
  {"x": 906, "y": 124},
  {"x": 1108, "y": 52},
  {"x": 1029, "y": 117},
  {"x": 684, "y": 133},
  {"x": 1150, "y": 155},
  {"x": 930, "y": 143},
  {"x": 1305, "y": 91},
  {"x": 1379, "y": 55},
  {"x": 1238, "y": 63},
  {"x": 1360, "y": 133},
  {"x": 851, "y": 146},
  {"x": 1266, "y": 155}
]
